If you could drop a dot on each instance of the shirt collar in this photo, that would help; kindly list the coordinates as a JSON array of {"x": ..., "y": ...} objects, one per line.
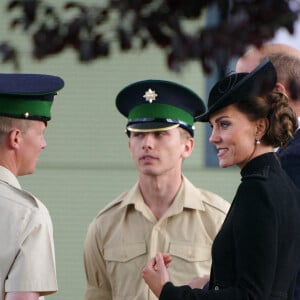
[
  {"x": 8, "y": 177},
  {"x": 187, "y": 197}
]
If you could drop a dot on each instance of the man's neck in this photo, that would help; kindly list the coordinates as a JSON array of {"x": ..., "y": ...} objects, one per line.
[{"x": 159, "y": 192}]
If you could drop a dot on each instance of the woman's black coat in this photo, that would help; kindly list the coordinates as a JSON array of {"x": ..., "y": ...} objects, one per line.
[{"x": 257, "y": 251}]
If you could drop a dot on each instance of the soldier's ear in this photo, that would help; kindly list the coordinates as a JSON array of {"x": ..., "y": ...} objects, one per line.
[{"x": 14, "y": 138}]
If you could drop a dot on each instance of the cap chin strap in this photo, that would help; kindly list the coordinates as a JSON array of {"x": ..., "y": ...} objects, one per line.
[
  {"x": 169, "y": 124},
  {"x": 131, "y": 129}
]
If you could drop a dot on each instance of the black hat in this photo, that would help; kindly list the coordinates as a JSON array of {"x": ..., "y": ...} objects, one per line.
[
  {"x": 153, "y": 105},
  {"x": 28, "y": 96},
  {"x": 240, "y": 86}
]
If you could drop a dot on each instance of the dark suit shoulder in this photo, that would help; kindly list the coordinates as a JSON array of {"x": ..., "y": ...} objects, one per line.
[{"x": 293, "y": 147}]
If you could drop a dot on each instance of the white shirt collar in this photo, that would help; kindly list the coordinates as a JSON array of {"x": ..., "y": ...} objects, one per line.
[{"x": 8, "y": 177}]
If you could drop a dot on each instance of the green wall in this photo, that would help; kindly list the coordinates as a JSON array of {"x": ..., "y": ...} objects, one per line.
[{"x": 86, "y": 163}]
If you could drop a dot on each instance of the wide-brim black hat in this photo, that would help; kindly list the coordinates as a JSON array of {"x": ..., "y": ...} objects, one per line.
[
  {"x": 153, "y": 105},
  {"x": 240, "y": 86}
]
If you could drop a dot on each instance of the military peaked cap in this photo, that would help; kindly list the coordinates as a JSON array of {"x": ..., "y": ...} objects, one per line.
[
  {"x": 28, "y": 96},
  {"x": 155, "y": 105}
]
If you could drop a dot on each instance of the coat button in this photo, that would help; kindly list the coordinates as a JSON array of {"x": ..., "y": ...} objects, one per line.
[{"x": 217, "y": 288}]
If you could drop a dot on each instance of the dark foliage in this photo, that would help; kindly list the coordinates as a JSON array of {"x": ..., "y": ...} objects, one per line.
[{"x": 174, "y": 26}]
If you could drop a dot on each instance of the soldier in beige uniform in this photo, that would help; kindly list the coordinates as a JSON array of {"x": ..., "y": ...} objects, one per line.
[
  {"x": 27, "y": 259},
  {"x": 163, "y": 211}
]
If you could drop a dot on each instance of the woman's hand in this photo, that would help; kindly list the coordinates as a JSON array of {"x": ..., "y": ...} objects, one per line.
[{"x": 155, "y": 272}]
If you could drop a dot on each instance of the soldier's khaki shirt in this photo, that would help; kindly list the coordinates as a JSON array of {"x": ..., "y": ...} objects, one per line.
[
  {"x": 27, "y": 260},
  {"x": 125, "y": 235}
]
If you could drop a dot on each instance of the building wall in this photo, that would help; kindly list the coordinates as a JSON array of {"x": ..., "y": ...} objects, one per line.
[{"x": 86, "y": 163}]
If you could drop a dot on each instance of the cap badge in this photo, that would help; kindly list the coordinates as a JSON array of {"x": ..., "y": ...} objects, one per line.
[{"x": 150, "y": 95}]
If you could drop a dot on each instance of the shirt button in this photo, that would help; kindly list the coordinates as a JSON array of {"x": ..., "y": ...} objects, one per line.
[{"x": 217, "y": 288}]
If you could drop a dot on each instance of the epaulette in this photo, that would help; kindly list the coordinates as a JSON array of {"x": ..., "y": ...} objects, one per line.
[
  {"x": 112, "y": 204},
  {"x": 18, "y": 196}
]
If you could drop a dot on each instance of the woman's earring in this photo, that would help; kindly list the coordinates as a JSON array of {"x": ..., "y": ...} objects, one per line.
[{"x": 257, "y": 142}]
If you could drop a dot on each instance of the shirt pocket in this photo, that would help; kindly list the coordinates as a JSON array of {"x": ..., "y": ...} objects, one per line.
[
  {"x": 124, "y": 264},
  {"x": 124, "y": 252},
  {"x": 188, "y": 261},
  {"x": 190, "y": 252}
]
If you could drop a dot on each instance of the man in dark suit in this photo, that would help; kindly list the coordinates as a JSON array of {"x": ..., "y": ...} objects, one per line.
[{"x": 286, "y": 60}]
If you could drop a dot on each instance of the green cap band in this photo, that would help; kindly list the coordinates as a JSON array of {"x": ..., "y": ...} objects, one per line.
[
  {"x": 160, "y": 111},
  {"x": 23, "y": 108}
]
